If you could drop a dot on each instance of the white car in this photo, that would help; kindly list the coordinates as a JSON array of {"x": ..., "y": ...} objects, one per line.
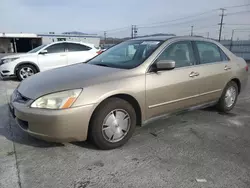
[{"x": 45, "y": 57}]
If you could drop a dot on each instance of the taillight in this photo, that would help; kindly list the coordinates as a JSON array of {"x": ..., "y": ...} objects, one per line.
[
  {"x": 246, "y": 68},
  {"x": 99, "y": 52}
]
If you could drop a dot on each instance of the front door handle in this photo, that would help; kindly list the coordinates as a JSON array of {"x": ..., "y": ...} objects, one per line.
[
  {"x": 62, "y": 55},
  {"x": 227, "y": 68},
  {"x": 193, "y": 74}
]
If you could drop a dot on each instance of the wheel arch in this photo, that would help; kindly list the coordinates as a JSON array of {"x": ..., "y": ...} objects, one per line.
[
  {"x": 130, "y": 99},
  {"x": 26, "y": 63},
  {"x": 237, "y": 81}
]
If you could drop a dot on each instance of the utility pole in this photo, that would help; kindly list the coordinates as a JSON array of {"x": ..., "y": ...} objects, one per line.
[
  {"x": 221, "y": 21},
  {"x": 105, "y": 37},
  {"x": 135, "y": 31},
  {"x": 132, "y": 32},
  {"x": 192, "y": 30},
  {"x": 207, "y": 34},
  {"x": 232, "y": 37}
]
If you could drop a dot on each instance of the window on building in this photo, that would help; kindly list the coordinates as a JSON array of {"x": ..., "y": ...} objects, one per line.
[{"x": 61, "y": 39}]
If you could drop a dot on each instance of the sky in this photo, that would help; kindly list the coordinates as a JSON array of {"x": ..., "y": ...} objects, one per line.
[{"x": 97, "y": 16}]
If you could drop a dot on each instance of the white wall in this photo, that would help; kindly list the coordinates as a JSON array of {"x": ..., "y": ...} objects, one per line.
[{"x": 91, "y": 40}]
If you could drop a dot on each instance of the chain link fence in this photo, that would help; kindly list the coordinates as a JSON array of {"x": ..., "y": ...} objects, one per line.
[{"x": 240, "y": 48}]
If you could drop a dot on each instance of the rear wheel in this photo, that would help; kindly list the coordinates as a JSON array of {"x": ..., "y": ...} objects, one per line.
[
  {"x": 112, "y": 124},
  {"x": 228, "y": 98},
  {"x": 24, "y": 71}
]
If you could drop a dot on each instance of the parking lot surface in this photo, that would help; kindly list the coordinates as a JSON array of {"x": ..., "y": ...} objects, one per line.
[{"x": 174, "y": 152}]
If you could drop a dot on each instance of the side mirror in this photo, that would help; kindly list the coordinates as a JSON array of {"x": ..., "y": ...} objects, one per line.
[
  {"x": 43, "y": 52},
  {"x": 165, "y": 65}
]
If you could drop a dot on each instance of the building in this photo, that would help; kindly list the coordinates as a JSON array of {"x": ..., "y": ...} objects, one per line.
[
  {"x": 24, "y": 42},
  {"x": 18, "y": 42},
  {"x": 51, "y": 37}
]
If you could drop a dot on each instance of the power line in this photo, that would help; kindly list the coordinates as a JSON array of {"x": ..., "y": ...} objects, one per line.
[
  {"x": 156, "y": 24},
  {"x": 191, "y": 16},
  {"x": 179, "y": 23},
  {"x": 238, "y": 24},
  {"x": 116, "y": 29},
  {"x": 240, "y": 12},
  {"x": 243, "y": 29},
  {"x": 169, "y": 21},
  {"x": 196, "y": 28},
  {"x": 237, "y": 6}
]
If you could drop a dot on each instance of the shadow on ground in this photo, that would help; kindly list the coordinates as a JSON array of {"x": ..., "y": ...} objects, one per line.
[
  {"x": 14, "y": 79},
  {"x": 10, "y": 130},
  {"x": 86, "y": 144},
  {"x": 213, "y": 109}
]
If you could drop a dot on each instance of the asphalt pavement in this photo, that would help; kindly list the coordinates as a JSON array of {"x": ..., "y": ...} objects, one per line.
[{"x": 198, "y": 149}]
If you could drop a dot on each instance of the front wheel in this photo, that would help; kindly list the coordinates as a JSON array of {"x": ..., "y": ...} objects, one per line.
[
  {"x": 113, "y": 124},
  {"x": 24, "y": 71},
  {"x": 228, "y": 98}
]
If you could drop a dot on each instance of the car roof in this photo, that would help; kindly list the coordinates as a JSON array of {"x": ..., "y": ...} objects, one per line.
[
  {"x": 74, "y": 42},
  {"x": 165, "y": 38},
  {"x": 162, "y": 38}
]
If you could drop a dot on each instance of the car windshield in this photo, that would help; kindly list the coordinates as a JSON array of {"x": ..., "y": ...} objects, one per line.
[
  {"x": 126, "y": 55},
  {"x": 37, "y": 49}
]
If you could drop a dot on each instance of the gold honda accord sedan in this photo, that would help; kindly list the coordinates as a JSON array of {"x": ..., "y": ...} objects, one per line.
[{"x": 130, "y": 84}]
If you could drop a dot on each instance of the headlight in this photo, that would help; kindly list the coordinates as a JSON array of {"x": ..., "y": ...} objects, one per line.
[
  {"x": 9, "y": 60},
  {"x": 59, "y": 100}
]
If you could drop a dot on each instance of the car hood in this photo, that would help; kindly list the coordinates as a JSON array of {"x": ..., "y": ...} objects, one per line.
[
  {"x": 65, "y": 78},
  {"x": 18, "y": 55}
]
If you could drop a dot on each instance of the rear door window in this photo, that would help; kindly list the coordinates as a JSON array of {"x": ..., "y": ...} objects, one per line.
[
  {"x": 56, "y": 48},
  {"x": 209, "y": 52},
  {"x": 77, "y": 47}
]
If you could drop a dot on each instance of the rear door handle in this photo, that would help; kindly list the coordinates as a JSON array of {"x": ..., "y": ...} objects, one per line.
[
  {"x": 193, "y": 74},
  {"x": 62, "y": 55},
  {"x": 227, "y": 68}
]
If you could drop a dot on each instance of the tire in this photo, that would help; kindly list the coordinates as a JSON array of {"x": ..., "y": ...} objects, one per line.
[
  {"x": 112, "y": 108},
  {"x": 30, "y": 70},
  {"x": 222, "y": 105}
]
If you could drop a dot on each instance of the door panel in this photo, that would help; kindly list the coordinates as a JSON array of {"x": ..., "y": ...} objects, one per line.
[
  {"x": 169, "y": 91},
  {"x": 56, "y": 57},
  {"x": 79, "y": 57},
  {"x": 51, "y": 61},
  {"x": 213, "y": 78},
  {"x": 172, "y": 90},
  {"x": 215, "y": 71}
]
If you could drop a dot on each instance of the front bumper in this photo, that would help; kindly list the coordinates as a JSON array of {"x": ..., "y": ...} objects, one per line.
[
  {"x": 6, "y": 70},
  {"x": 53, "y": 125}
]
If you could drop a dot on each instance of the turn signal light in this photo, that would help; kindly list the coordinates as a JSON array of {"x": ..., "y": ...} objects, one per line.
[{"x": 99, "y": 52}]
